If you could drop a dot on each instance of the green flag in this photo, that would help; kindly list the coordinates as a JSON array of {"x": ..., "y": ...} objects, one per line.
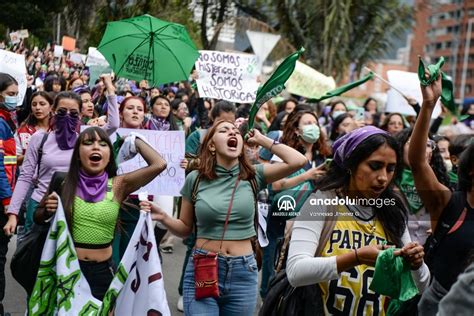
[
  {"x": 447, "y": 97},
  {"x": 275, "y": 85},
  {"x": 343, "y": 89}
]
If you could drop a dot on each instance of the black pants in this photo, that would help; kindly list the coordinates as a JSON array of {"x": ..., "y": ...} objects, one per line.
[
  {"x": 4, "y": 240},
  {"x": 99, "y": 275}
]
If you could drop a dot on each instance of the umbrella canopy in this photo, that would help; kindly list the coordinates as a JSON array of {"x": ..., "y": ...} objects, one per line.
[{"x": 145, "y": 47}]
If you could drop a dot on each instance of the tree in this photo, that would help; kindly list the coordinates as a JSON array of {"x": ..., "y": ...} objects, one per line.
[{"x": 335, "y": 33}]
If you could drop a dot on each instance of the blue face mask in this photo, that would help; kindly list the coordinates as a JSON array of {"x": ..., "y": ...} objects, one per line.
[
  {"x": 311, "y": 133},
  {"x": 10, "y": 102}
]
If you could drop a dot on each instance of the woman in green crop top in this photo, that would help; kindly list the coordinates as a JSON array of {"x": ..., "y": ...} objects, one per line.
[
  {"x": 222, "y": 163},
  {"x": 91, "y": 196}
]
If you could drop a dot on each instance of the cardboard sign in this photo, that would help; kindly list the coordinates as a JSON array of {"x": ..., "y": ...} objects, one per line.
[
  {"x": 15, "y": 37},
  {"x": 58, "y": 51},
  {"x": 23, "y": 33},
  {"x": 77, "y": 58},
  {"x": 69, "y": 43},
  {"x": 309, "y": 83},
  {"x": 14, "y": 65},
  {"x": 170, "y": 145},
  {"x": 227, "y": 76},
  {"x": 409, "y": 84}
]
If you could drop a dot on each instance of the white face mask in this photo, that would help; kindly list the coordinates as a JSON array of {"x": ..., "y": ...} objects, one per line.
[{"x": 449, "y": 164}]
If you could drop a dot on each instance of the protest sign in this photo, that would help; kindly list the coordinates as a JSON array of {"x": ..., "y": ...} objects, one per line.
[
  {"x": 409, "y": 84},
  {"x": 14, "y": 65},
  {"x": 77, "y": 58},
  {"x": 139, "y": 279},
  {"x": 97, "y": 65},
  {"x": 309, "y": 83},
  {"x": 62, "y": 289},
  {"x": 170, "y": 145},
  {"x": 58, "y": 51},
  {"x": 69, "y": 43},
  {"x": 15, "y": 37},
  {"x": 227, "y": 76},
  {"x": 23, "y": 33}
]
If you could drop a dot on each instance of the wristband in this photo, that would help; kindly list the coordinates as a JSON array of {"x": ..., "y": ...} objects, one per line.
[{"x": 275, "y": 142}]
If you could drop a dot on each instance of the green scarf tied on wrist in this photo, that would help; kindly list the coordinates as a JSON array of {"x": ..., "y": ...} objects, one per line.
[
  {"x": 407, "y": 185},
  {"x": 447, "y": 97},
  {"x": 392, "y": 278}
]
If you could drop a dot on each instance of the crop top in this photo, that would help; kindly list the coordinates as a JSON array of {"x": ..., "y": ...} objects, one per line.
[
  {"x": 212, "y": 202},
  {"x": 94, "y": 223}
]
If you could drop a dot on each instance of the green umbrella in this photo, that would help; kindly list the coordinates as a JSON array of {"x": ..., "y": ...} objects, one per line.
[{"x": 145, "y": 47}]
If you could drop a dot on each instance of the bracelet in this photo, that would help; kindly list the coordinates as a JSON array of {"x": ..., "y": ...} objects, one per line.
[
  {"x": 275, "y": 142},
  {"x": 357, "y": 257}
]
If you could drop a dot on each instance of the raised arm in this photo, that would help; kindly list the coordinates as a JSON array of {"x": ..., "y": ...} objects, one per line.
[
  {"x": 292, "y": 159},
  {"x": 435, "y": 196},
  {"x": 113, "y": 120},
  {"x": 132, "y": 181}
]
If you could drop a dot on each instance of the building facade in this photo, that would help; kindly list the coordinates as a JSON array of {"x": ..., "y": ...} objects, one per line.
[{"x": 444, "y": 28}]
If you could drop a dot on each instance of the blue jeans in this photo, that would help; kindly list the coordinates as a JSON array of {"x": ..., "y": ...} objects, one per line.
[{"x": 238, "y": 281}]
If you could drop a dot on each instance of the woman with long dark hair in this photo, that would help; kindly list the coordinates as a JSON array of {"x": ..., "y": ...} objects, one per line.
[
  {"x": 225, "y": 172},
  {"x": 364, "y": 166},
  {"x": 41, "y": 112},
  {"x": 91, "y": 197},
  {"x": 418, "y": 217},
  {"x": 55, "y": 149},
  {"x": 452, "y": 209}
]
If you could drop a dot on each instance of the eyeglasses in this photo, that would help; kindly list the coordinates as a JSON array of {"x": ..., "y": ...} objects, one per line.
[{"x": 63, "y": 111}]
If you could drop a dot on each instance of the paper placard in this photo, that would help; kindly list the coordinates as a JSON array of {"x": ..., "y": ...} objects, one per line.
[
  {"x": 170, "y": 145},
  {"x": 69, "y": 43},
  {"x": 77, "y": 58},
  {"x": 23, "y": 33},
  {"x": 309, "y": 83},
  {"x": 58, "y": 51},
  {"x": 409, "y": 84},
  {"x": 14, "y": 65},
  {"x": 227, "y": 76},
  {"x": 15, "y": 37}
]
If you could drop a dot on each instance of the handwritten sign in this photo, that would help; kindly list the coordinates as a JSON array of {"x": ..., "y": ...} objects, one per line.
[
  {"x": 58, "y": 50},
  {"x": 15, "y": 37},
  {"x": 309, "y": 83},
  {"x": 14, "y": 65},
  {"x": 170, "y": 145},
  {"x": 409, "y": 84},
  {"x": 23, "y": 33},
  {"x": 227, "y": 76}
]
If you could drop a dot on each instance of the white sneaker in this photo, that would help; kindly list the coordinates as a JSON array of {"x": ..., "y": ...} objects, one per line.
[{"x": 179, "y": 306}]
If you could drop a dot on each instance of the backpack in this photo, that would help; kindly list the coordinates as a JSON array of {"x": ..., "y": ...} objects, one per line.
[{"x": 26, "y": 259}]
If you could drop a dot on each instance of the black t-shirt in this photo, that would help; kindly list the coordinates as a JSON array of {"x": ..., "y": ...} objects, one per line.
[{"x": 454, "y": 250}]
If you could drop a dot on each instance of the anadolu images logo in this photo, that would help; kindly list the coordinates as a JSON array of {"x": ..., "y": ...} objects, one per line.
[{"x": 286, "y": 203}]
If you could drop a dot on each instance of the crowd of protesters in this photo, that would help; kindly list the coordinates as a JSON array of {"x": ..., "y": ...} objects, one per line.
[{"x": 426, "y": 166}]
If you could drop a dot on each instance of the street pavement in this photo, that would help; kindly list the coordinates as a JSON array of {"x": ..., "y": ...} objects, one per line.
[{"x": 15, "y": 296}]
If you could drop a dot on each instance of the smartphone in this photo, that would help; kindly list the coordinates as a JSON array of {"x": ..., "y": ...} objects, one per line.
[{"x": 360, "y": 114}]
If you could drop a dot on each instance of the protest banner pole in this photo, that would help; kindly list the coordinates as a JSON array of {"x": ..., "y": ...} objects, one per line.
[{"x": 388, "y": 83}]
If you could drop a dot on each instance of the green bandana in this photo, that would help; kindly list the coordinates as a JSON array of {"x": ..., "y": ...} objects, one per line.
[
  {"x": 343, "y": 89},
  {"x": 116, "y": 145},
  {"x": 275, "y": 85},
  {"x": 407, "y": 186},
  {"x": 392, "y": 278},
  {"x": 447, "y": 97}
]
